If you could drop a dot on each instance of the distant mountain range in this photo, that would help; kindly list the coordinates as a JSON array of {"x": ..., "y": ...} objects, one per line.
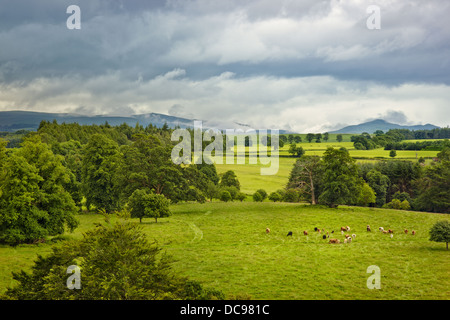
[
  {"x": 379, "y": 124},
  {"x": 28, "y": 120},
  {"x": 17, "y": 120}
]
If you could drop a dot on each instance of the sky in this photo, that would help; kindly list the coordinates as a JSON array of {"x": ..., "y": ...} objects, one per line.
[{"x": 305, "y": 66}]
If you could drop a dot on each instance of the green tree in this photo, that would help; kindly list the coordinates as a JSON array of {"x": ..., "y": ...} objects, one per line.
[
  {"x": 263, "y": 193},
  {"x": 305, "y": 177},
  {"x": 341, "y": 182},
  {"x": 241, "y": 196},
  {"x": 145, "y": 204},
  {"x": 366, "y": 196},
  {"x": 339, "y": 138},
  {"x": 229, "y": 179},
  {"x": 33, "y": 201},
  {"x": 212, "y": 191},
  {"x": 392, "y": 153},
  {"x": 146, "y": 163},
  {"x": 225, "y": 196},
  {"x": 275, "y": 196},
  {"x": 310, "y": 137},
  {"x": 440, "y": 232},
  {"x": 326, "y": 136},
  {"x": 318, "y": 137},
  {"x": 433, "y": 187},
  {"x": 257, "y": 197},
  {"x": 379, "y": 183},
  {"x": 100, "y": 164},
  {"x": 116, "y": 262},
  {"x": 296, "y": 151}
]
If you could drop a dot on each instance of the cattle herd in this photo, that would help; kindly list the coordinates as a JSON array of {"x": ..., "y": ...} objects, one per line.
[{"x": 348, "y": 238}]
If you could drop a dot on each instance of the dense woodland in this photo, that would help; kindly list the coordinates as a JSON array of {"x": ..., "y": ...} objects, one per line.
[{"x": 48, "y": 176}]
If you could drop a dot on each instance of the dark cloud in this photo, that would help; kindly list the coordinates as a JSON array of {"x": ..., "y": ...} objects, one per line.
[{"x": 254, "y": 58}]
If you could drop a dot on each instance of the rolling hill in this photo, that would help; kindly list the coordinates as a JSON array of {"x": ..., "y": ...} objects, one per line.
[
  {"x": 18, "y": 120},
  {"x": 379, "y": 124}
]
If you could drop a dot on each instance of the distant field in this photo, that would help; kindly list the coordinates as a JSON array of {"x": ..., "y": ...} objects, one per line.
[
  {"x": 224, "y": 245},
  {"x": 251, "y": 179}
]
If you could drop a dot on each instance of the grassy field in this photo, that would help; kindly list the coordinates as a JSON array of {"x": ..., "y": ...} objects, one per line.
[
  {"x": 251, "y": 179},
  {"x": 225, "y": 246}
]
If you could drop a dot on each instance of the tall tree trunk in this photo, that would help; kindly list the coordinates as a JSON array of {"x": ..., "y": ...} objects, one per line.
[{"x": 313, "y": 196}]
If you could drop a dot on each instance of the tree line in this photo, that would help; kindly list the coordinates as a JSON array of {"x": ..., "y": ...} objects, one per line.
[
  {"x": 336, "y": 179},
  {"x": 63, "y": 168}
]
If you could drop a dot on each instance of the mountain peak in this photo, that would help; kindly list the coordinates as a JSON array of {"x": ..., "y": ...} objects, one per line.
[{"x": 381, "y": 124}]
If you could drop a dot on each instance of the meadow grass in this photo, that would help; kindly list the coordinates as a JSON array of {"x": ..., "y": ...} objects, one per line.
[{"x": 225, "y": 246}]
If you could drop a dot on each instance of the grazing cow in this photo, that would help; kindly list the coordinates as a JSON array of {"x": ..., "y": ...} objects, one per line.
[
  {"x": 267, "y": 230},
  {"x": 324, "y": 237},
  {"x": 348, "y": 228},
  {"x": 334, "y": 241},
  {"x": 406, "y": 231},
  {"x": 342, "y": 232},
  {"x": 289, "y": 233},
  {"x": 390, "y": 231},
  {"x": 332, "y": 231},
  {"x": 349, "y": 240},
  {"x": 413, "y": 232},
  {"x": 305, "y": 233},
  {"x": 384, "y": 231},
  {"x": 381, "y": 228},
  {"x": 315, "y": 229},
  {"x": 347, "y": 236},
  {"x": 345, "y": 241},
  {"x": 368, "y": 228},
  {"x": 343, "y": 229},
  {"x": 392, "y": 235},
  {"x": 353, "y": 236}
]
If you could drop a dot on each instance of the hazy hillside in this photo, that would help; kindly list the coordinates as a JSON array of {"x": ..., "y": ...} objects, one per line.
[
  {"x": 379, "y": 124},
  {"x": 17, "y": 120}
]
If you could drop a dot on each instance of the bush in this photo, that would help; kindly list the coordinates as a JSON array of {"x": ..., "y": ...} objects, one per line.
[
  {"x": 241, "y": 196},
  {"x": 359, "y": 146},
  {"x": 117, "y": 262},
  {"x": 275, "y": 196},
  {"x": 398, "y": 205},
  {"x": 225, "y": 196},
  {"x": 263, "y": 193},
  {"x": 232, "y": 190},
  {"x": 257, "y": 197},
  {"x": 291, "y": 195},
  {"x": 392, "y": 153},
  {"x": 405, "y": 205}
]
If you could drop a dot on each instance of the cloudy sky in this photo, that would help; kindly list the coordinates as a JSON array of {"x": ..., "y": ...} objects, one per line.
[{"x": 303, "y": 65}]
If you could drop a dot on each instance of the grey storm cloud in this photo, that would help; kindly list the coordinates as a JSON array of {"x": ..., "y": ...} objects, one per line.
[{"x": 264, "y": 62}]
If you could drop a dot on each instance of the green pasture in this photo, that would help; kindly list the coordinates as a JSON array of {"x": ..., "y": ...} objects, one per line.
[
  {"x": 251, "y": 179},
  {"x": 225, "y": 246}
]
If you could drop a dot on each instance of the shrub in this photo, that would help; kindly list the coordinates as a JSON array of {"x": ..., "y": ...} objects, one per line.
[
  {"x": 291, "y": 195},
  {"x": 257, "y": 197},
  {"x": 117, "y": 262},
  {"x": 241, "y": 196},
  {"x": 263, "y": 193},
  {"x": 275, "y": 196},
  {"x": 225, "y": 196}
]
